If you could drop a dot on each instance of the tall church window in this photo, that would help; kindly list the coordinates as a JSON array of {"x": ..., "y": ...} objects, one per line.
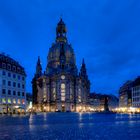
[
  {"x": 44, "y": 93},
  {"x": 54, "y": 94},
  {"x": 71, "y": 92},
  {"x": 63, "y": 92},
  {"x": 79, "y": 97}
]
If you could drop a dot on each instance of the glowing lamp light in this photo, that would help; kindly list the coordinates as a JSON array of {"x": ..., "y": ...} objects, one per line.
[
  {"x": 16, "y": 107},
  {"x": 30, "y": 105},
  {"x": 132, "y": 109}
]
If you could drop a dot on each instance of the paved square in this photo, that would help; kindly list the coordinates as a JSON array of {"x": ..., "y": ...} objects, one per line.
[{"x": 70, "y": 126}]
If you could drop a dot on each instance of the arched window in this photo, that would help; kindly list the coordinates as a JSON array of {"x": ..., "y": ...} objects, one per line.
[{"x": 63, "y": 92}]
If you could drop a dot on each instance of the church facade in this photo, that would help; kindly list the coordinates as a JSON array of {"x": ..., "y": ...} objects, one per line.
[{"x": 61, "y": 87}]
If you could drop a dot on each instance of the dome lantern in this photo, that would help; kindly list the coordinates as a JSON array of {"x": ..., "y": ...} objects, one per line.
[{"x": 61, "y": 32}]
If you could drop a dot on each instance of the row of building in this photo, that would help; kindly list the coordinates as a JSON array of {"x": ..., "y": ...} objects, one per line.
[
  {"x": 13, "y": 96},
  {"x": 129, "y": 94}
]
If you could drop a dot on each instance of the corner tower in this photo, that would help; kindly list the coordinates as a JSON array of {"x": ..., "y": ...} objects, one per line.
[
  {"x": 38, "y": 74},
  {"x": 38, "y": 68},
  {"x": 83, "y": 71}
]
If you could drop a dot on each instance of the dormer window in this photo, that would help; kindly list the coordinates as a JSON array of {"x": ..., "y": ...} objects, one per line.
[
  {"x": 3, "y": 65},
  {"x": 18, "y": 69},
  {"x": 14, "y": 68},
  {"x": 7, "y": 59},
  {"x": 9, "y": 67}
]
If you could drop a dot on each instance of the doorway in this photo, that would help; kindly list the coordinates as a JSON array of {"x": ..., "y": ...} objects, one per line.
[{"x": 63, "y": 108}]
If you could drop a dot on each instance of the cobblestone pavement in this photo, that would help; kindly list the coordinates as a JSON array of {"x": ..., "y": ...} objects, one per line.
[{"x": 70, "y": 126}]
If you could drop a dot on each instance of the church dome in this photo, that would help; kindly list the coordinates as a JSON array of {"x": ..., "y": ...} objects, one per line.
[
  {"x": 54, "y": 54},
  {"x": 55, "y": 50}
]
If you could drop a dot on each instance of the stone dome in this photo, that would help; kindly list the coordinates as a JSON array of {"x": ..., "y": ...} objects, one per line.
[
  {"x": 61, "y": 50},
  {"x": 54, "y": 55}
]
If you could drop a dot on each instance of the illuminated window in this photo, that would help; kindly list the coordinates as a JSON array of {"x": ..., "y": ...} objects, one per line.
[
  {"x": 3, "y": 100},
  {"x": 62, "y": 86},
  {"x": 14, "y": 101},
  {"x": 18, "y": 101},
  {"x": 79, "y": 98},
  {"x": 54, "y": 93},
  {"x": 53, "y": 90},
  {"x": 23, "y": 101},
  {"x": 9, "y": 100},
  {"x": 63, "y": 92},
  {"x": 71, "y": 97}
]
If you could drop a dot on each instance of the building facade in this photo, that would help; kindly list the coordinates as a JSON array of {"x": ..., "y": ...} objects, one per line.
[
  {"x": 12, "y": 86},
  {"x": 125, "y": 95},
  {"x": 113, "y": 102},
  {"x": 29, "y": 102},
  {"x": 61, "y": 87},
  {"x": 97, "y": 101},
  {"x": 136, "y": 93}
]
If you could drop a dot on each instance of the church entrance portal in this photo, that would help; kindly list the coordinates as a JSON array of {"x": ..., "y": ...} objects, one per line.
[{"x": 63, "y": 108}]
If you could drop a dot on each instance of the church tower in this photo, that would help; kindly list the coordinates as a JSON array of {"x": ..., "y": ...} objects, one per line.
[
  {"x": 83, "y": 71},
  {"x": 38, "y": 73},
  {"x": 38, "y": 68}
]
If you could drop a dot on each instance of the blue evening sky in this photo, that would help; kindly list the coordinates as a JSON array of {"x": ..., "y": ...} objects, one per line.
[{"x": 105, "y": 32}]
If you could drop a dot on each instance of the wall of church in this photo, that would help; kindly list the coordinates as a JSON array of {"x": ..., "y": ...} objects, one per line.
[{"x": 61, "y": 95}]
